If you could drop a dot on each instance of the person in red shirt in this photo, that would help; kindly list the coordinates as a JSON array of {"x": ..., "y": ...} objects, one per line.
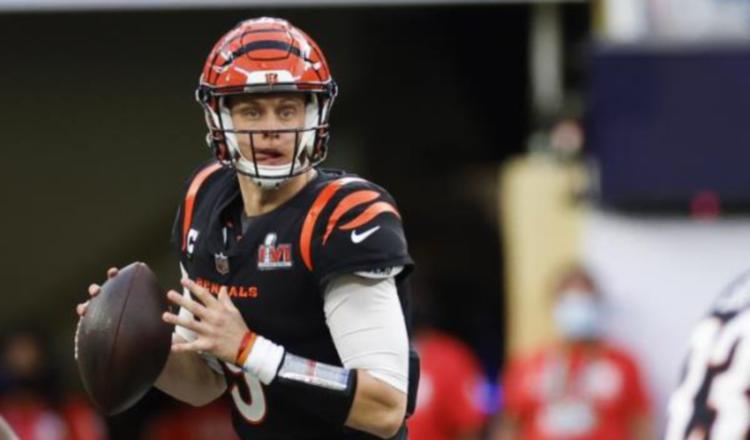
[
  {"x": 31, "y": 401},
  {"x": 27, "y": 384},
  {"x": 5, "y": 431},
  {"x": 582, "y": 388},
  {"x": 185, "y": 422},
  {"x": 84, "y": 423},
  {"x": 449, "y": 405}
]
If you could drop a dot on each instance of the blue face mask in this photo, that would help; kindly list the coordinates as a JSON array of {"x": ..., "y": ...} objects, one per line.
[{"x": 577, "y": 315}]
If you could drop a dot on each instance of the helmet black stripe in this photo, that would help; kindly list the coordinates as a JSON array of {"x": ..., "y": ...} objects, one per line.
[{"x": 260, "y": 45}]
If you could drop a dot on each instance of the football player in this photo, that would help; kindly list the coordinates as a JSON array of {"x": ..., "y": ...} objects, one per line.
[
  {"x": 711, "y": 401},
  {"x": 294, "y": 276}
]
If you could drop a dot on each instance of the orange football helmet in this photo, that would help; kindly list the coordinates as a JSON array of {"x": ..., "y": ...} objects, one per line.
[{"x": 266, "y": 55}]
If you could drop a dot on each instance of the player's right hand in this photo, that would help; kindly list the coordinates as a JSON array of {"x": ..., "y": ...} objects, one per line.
[{"x": 94, "y": 290}]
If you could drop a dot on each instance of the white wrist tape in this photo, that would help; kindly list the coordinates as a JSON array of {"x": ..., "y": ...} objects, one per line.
[{"x": 264, "y": 359}]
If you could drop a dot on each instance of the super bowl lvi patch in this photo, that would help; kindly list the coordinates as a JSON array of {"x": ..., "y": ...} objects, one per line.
[{"x": 273, "y": 256}]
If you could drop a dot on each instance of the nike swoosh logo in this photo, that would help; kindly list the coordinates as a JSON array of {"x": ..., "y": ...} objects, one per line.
[{"x": 358, "y": 238}]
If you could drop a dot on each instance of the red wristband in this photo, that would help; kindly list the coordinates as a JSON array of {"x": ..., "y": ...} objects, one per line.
[{"x": 245, "y": 346}]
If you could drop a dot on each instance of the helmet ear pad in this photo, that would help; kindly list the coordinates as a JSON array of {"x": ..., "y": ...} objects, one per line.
[
  {"x": 219, "y": 146},
  {"x": 321, "y": 144},
  {"x": 223, "y": 152},
  {"x": 217, "y": 138}
]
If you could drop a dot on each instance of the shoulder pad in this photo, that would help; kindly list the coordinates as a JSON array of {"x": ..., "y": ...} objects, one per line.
[
  {"x": 185, "y": 214},
  {"x": 352, "y": 225}
]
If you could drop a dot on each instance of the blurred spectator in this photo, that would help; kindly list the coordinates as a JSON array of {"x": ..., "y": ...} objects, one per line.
[
  {"x": 83, "y": 421},
  {"x": 449, "y": 405},
  {"x": 580, "y": 388},
  {"x": 449, "y": 400},
  {"x": 30, "y": 398},
  {"x": 5, "y": 432},
  {"x": 29, "y": 388},
  {"x": 184, "y": 422}
]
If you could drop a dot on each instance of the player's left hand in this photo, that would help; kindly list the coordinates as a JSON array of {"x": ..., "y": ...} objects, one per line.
[{"x": 221, "y": 327}]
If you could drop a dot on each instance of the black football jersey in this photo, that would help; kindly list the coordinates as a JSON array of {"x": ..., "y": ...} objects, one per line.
[
  {"x": 276, "y": 271},
  {"x": 711, "y": 401}
]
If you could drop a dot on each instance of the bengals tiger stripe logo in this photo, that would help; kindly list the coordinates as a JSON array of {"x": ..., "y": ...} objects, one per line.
[{"x": 346, "y": 204}]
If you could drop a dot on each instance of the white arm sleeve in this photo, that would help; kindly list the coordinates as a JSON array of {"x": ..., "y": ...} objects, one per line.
[
  {"x": 368, "y": 328},
  {"x": 190, "y": 335}
]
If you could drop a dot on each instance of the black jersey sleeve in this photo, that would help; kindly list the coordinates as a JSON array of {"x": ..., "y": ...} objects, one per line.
[{"x": 360, "y": 230}]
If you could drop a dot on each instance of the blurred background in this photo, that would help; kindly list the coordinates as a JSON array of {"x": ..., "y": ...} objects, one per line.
[{"x": 520, "y": 138}]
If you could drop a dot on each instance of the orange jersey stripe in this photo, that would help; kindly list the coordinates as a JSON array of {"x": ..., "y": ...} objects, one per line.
[
  {"x": 347, "y": 203},
  {"x": 305, "y": 239},
  {"x": 195, "y": 185},
  {"x": 370, "y": 213}
]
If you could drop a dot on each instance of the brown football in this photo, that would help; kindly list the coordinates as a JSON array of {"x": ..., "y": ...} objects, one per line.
[{"x": 123, "y": 343}]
